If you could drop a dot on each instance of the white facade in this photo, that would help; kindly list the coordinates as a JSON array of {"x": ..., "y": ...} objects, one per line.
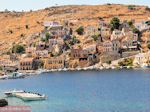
[
  {"x": 51, "y": 23},
  {"x": 142, "y": 58},
  {"x": 117, "y": 35},
  {"x": 115, "y": 46},
  {"x": 91, "y": 30},
  {"x": 90, "y": 49}
]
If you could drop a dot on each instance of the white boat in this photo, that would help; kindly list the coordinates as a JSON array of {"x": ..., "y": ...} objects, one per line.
[
  {"x": 108, "y": 67},
  {"x": 121, "y": 67},
  {"x": 4, "y": 77},
  {"x": 40, "y": 71},
  {"x": 30, "y": 96},
  {"x": 113, "y": 67},
  {"x": 26, "y": 96},
  {"x": 144, "y": 65},
  {"x": 79, "y": 69},
  {"x": 15, "y": 75},
  {"x": 65, "y": 69},
  {"x": 101, "y": 68},
  {"x": 85, "y": 68},
  {"x": 60, "y": 69},
  {"x": 11, "y": 93},
  {"x": 128, "y": 67}
]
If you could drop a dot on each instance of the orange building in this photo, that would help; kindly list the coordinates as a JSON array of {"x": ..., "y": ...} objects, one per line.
[
  {"x": 55, "y": 63},
  {"x": 27, "y": 64}
]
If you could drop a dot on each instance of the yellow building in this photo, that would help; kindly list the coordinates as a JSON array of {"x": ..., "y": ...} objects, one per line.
[
  {"x": 55, "y": 63},
  {"x": 142, "y": 58}
]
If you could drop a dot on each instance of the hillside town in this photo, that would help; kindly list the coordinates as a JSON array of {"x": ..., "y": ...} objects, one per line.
[{"x": 108, "y": 43}]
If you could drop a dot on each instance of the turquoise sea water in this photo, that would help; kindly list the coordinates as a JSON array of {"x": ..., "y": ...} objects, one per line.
[{"x": 86, "y": 91}]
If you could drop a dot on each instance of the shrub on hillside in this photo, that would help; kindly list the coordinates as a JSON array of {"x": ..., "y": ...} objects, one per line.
[
  {"x": 148, "y": 46},
  {"x": 80, "y": 30},
  {"x": 115, "y": 22},
  {"x": 108, "y": 61},
  {"x": 27, "y": 27},
  {"x": 131, "y": 7},
  {"x": 10, "y": 31},
  {"x": 126, "y": 62},
  {"x": 22, "y": 35},
  {"x": 41, "y": 64},
  {"x": 130, "y": 23},
  {"x": 135, "y": 30},
  {"x": 18, "y": 49}
]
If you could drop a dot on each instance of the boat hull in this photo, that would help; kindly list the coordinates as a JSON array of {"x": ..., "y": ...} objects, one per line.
[{"x": 32, "y": 98}]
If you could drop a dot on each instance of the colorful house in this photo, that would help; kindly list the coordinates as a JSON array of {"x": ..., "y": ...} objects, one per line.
[
  {"x": 107, "y": 47},
  {"x": 30, "y": 51},
  {"x": 91, "y": 30},
  {"x": 76, "y": 53},
  {"x": 117, "y": 35},
  {"x": 27, "y": 64},
  {"x": 142, "y": 58},
  {"x": 55, "y": 63}
]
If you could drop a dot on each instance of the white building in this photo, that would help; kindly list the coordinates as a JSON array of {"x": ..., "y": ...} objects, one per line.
[
  {"x": 142, "y": 58},
  {"x": 91, "y": 30},
  {"x": 115, "y": 46},
  {"x": 117, "y": 35}
]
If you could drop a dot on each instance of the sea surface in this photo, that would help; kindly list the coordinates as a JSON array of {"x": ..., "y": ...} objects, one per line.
[{"x": 85, "y": 91}]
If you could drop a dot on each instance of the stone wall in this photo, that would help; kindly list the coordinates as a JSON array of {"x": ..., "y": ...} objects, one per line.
[
  {"x": 128, "y": 54},
  {"x": 112, "y": 56},
  {"x": 116, "y": 56}
]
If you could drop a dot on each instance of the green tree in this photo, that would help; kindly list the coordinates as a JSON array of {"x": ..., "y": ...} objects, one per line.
[
  {"x": 18, "y": 49},
  {"x": 8, "y": 53},
  {"x": 71, "y": 42},
  {"x": 148, "y": 46},
  {"x": 41, "y": 64},
  {"x": 100, "y": 18},
  {"x": 135, "y": 30},
  {"x": 148, "y": 22},
  {"x": 111, "y": 28},
  {"x": 47, "y": 36},
  {"x": 120, "y": 63},
  {"x": 42, "y": 39},
  {"x": 108, "y": 61},
  {"x": 80, "y": 30},
  {"x": 10, "y": 31},
  {"x": 1, "y": 68},
  {"x": 131, "y": 7},
  {"x": 94, "y": 37},
  {"x": 115, "y": 22},
  {"x": 27, "y": 27},
  {"x": 130, "y": 23},
  {"x": 22, "y": 35}
]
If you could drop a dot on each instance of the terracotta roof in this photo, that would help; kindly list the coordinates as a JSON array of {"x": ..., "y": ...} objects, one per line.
[{"x": 26, "y": 60}]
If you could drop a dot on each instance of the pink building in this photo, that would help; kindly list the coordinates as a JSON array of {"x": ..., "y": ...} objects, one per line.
[
  {"x": 107, "y": 47},
  {"x": 30, "y": 51},
  {"x": 40, "y": 46},
  {"x": 55, "y": 41},
  {"x": 43, "y": 53}
]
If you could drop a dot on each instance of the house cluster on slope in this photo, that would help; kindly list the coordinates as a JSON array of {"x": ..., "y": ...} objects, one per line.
[{"x": 60, "y": 48}]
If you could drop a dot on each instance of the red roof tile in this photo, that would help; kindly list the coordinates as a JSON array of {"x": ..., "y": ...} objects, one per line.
[{"x": 26, "y": 60}]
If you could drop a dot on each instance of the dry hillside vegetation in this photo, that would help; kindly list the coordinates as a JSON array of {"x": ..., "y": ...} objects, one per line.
[{"x": 13, "y": 24}]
